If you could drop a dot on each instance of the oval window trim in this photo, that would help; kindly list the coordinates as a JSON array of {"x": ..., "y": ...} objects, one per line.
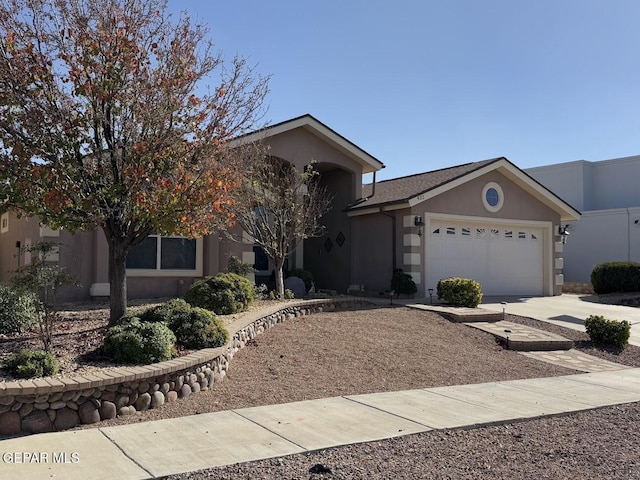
[{"x": 492, "y": 197}]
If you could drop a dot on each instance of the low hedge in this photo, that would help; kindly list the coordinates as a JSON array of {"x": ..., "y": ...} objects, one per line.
[
  {"x": 616, "y": 277},
  {"x": 460, "y": 292},
  {"x": 608, "y": 332}
]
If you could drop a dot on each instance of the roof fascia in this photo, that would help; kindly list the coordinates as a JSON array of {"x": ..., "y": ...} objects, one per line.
[
  {"x": 509, "y": 170},
  {"x": 369, "y": 163},
  {"x": 378, "y": 209}
]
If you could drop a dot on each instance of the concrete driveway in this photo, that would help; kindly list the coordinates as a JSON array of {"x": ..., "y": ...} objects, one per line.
[{"x": 566, "y": 310}]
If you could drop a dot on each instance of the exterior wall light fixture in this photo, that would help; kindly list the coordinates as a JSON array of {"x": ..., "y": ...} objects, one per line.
[
  {"x": 564, "y": 233},
  {"x": 418, "y": 222}
]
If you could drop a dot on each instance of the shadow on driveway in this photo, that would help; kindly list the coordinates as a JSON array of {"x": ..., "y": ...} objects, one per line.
[{"x": 568, "y": 319}]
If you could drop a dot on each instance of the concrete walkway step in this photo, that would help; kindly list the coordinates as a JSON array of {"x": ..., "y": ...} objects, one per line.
[
  {"x": 576, "y": 360},
  {"x": 523, "y": 338},
  {"x": 460, "y": 314}
]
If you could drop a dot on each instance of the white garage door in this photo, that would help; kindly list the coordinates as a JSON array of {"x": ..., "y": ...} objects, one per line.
[{"x": 505, "y": 259}]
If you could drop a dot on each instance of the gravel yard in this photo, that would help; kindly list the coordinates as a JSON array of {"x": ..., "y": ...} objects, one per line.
[{"x": 386, "y": 349}]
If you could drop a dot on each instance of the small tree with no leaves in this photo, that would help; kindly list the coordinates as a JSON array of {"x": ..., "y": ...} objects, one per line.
[
  {"x": 278, "y": 205},
  {"x": 45, "y": 279}
]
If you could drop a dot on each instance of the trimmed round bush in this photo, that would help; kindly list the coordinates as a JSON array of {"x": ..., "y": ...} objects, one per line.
[
  {"x": 166, "y": 312},
  {"x": 616, "y": 277},
  {"x": 32, "y": 363},
  {"x": 199, "y": 329},
  {"x": 460, "y": 292},
  {"x": 137, "y": 342},
  {"x": 608, "y": 332},
  {"x": 224, "y": 294},
  {"x": 19, "y": 310},
  {"x": 403, "y": 283}
]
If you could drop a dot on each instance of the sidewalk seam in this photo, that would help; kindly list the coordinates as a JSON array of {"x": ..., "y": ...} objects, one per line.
[
  {"x": 126, "y": 454},
  {"x": 393, "y": 414},
  {"x": 237, "y": 412}
]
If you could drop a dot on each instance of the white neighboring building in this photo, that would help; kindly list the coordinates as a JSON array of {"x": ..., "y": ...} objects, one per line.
[{"x": 608, "y": 195}]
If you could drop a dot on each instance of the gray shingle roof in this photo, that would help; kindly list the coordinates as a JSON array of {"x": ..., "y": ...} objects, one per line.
[{"x": 399, "y": 190}]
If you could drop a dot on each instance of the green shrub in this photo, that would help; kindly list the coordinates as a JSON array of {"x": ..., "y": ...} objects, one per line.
[
  {"x": 608, "y": 332},
  {"x": 460, "y": 292},
  {"x": 615, "y": 277},
  {"x": 403, "y": 283},
  {"x": 133, "y": 341},
  {"x": 166, "y": 312},
  {"x": 193, "y": 327},
  {"x": 237, "y": 266},
  {"x": 305, "y": 275},
  {"x": 32, "y": 363},
  {"x": 200, "y": 329},
  {"x": 261, "y": 292},
  {"x": 226, "y": 293},
  {"x": 288, "y": 294},
  {"x": 19, "y": 310}
]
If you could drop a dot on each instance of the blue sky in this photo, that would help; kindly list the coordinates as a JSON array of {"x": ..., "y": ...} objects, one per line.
[{"x": 427, "y": 84}]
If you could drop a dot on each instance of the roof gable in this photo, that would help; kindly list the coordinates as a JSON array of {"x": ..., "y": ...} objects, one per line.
[
  {"x": 311, "y": 124},
  {"x": 414, "y": 189}
]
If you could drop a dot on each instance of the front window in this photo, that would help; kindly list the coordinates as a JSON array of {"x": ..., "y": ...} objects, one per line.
[{"x": 165, "y": 255}]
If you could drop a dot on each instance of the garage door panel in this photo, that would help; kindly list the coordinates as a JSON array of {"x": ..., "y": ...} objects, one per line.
[{"x": 505, "y": 259}]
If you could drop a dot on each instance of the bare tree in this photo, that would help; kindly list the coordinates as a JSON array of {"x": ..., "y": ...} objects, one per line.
[{"x": 278, "y": 205}]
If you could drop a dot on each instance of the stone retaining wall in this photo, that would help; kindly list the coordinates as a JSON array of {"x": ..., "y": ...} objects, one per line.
[{"x": 49, "y": 404}]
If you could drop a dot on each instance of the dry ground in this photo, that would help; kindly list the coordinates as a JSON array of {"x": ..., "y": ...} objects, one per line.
[{"x": 384, "y": 349}]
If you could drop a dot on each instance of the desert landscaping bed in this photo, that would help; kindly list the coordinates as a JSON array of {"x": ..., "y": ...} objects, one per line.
[{"x": 395, "y": 348}]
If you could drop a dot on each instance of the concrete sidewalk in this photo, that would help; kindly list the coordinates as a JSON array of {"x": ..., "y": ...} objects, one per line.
[{"x": 154, "y": 449}]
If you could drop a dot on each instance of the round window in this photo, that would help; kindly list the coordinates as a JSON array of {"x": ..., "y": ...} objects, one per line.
[{"x": 492, "y": 197}]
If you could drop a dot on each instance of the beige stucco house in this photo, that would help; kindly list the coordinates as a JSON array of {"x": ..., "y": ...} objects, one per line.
[{"x": 486, "y": 220}]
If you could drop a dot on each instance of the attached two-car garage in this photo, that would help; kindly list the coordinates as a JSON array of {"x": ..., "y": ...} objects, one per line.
[
  {"x": 488, "y": 221},
  {"x": 507, "y": 259}
]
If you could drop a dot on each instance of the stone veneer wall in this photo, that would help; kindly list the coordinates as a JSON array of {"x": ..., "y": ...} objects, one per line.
[{"x": 49, "y": 404}]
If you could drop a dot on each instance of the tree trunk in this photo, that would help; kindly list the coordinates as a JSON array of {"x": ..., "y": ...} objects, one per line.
[
  {"x": 117, "y": 282},
  {"x": 279, "y": 278}
]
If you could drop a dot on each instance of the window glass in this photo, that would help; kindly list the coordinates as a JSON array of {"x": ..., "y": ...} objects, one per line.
[
  {"x": 178, "y": 254},
  {"x": 261, "y": 259},
  {"x": 492, "y": 197},
  {"x": 144, "y": 255}
]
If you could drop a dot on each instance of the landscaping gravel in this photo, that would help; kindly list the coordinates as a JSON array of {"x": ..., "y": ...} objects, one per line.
[
  {"x": 384, "y": 349},
  {"x": 395, "y": 348}
]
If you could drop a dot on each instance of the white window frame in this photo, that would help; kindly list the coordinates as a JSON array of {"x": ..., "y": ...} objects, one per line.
[
  {"x": 159, "y": 272},
  {"x": 498, "y": 189}
]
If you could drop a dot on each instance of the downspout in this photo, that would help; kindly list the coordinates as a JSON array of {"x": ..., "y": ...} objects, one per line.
[
  {"x": 373, "y": 186},
  {"x": 364, "y": 199}
]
